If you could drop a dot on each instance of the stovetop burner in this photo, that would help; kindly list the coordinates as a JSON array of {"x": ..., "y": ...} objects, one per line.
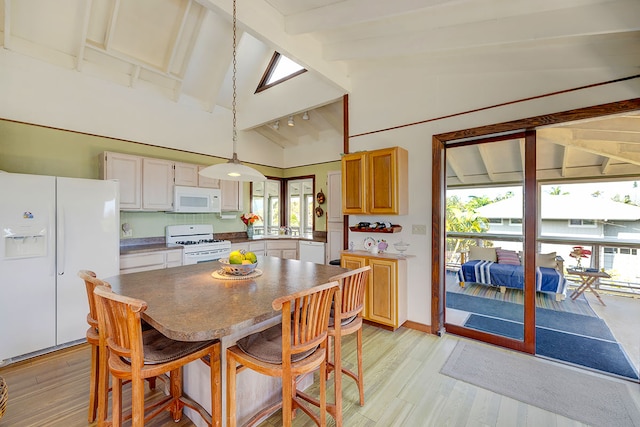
[{"x": 198, "y": 242}]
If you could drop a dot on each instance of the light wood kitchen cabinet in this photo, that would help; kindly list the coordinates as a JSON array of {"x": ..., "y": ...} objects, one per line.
[
  {"x": 376, "y": 182},
  {"x": 127, "y": 170},
  {"x": 145, "y": 261},
  {"x": 386, "y": 294},
  {"x": 354, "y": 183},
  {"x": 287, "y": 249},
  {"x": 205, "y": 182},
  {"x": 185, "y": 174},
  {"x": 232, "y": 195},
  {"x": 157, "y": 184},
  {"x": 145, "y": 183}
]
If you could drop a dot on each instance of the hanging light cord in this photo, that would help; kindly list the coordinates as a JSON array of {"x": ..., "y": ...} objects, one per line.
[{"x": 233, "y": 103}]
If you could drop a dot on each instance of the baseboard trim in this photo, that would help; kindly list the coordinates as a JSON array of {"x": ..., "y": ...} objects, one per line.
[{"x": 418, "y": 326}]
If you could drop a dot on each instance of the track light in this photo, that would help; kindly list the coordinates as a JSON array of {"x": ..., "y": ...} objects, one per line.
[
  {"x": 305, "y": 116},
  {"x": 290, "y": 122},
  {"x": 276, "y": 125}
]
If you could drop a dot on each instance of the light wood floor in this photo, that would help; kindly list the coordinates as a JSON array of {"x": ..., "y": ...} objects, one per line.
[{"x": 403, "y": 387}]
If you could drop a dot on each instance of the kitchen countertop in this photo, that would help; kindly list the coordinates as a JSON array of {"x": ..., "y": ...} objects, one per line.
[
  {"x": 153, "y": 244},
  {"x": 385, "y": 255}
]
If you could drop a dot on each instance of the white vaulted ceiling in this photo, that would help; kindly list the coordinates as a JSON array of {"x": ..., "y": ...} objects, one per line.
[{"x": 181, "y": 49}]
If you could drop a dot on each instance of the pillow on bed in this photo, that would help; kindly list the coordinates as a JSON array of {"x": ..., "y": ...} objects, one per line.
[
  {"x": 484, "y": 254},
  {"x": 546, "y": 260},
  {"x": 506, "y": 256}
]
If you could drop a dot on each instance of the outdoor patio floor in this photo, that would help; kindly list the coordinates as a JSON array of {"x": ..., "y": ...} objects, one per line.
[{"x": 621, "y": 314}]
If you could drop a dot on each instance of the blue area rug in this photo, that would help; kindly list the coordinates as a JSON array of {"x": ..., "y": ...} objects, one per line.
[{"x": 574, "y": 338}]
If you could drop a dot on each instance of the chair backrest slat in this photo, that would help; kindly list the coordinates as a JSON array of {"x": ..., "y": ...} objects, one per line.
[
  {"x": 90, "y": 283},
  {"x": 353, "y": 285},
  {"x": 305, "y": 318},
  {"x": 120, "y": 316}
]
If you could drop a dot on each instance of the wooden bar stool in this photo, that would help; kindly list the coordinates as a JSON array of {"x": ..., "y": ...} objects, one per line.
[
  {"x": 294, "y": 347},
  {"x": 91, "y": 282},
  {"x": 135, "y": 356},
  {"x": 353, "y": 285}
]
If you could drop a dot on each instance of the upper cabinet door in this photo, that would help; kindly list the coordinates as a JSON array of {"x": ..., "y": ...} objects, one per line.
[
  {"x": 157, "y": 184},
  {"x": 388, "y": 179},
  {"x": 127, "y": 170},
  {"x": 232, "y": 194},
  {"x": 185, "y": 174},
  {"x": 376, "y": 182},
  {"x": 203, "y": 181},
  {"x": 354, "y": 183}
]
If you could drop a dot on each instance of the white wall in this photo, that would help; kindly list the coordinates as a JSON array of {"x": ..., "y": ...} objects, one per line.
[{"x": 386, "y": 97}]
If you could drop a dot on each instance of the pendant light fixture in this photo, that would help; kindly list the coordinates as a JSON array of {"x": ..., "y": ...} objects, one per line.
[{"x": 233, "y": 170}]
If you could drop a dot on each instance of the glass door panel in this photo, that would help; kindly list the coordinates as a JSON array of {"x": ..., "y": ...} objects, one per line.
[{"x": 485, "y": 279}]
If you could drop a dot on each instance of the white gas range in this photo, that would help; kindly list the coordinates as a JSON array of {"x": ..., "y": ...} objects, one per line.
[{"x": 199, "y": 244}]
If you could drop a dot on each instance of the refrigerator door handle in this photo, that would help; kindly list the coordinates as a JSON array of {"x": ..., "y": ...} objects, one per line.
[{"x": 60, "y": 242}]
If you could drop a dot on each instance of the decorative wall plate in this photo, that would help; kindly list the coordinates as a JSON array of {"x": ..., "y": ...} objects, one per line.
[
  {"x": 320, "y": 198},
  {"x": 369, "y": 242}
]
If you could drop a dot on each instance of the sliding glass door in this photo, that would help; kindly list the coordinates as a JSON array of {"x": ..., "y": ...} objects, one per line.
[{"x": 484, "y": 223}]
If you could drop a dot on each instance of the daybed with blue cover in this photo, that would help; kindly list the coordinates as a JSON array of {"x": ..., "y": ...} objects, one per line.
[{"x": 484, "y": 267}]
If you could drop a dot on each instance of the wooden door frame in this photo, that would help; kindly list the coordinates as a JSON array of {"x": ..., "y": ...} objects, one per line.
[{"x": 438, "y": 183}]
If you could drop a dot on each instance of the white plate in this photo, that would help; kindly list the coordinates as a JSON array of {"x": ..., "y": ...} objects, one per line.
[{"x": 369, "y": 242}]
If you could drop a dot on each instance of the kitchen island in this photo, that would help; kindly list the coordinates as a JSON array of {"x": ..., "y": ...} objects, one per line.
[{"x": 188, "y": 304}]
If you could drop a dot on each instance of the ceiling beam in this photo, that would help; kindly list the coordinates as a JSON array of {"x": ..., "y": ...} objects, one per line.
[
  {"x": 172, "y": 46},
  {"x": 567, "y": 23},
  {"x": 352, "y": 12},
  {"x": 7, "y": 25},
  {"x": 111, "y": 27},
  {"x": 455, "y": 167},
  {"x": 485, "y": 156},
  {"x": 565, "y": 161},
  {"x": 82, "y": 43},
  {"x": 604, "y": 168}
]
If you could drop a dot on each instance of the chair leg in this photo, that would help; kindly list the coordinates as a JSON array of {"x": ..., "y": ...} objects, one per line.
[
  {"x": 103, "y": 387},
  {"x": 152, "y": 383},
  {"x": 175, "y": 380},
  {"x": 360, "y": 370},
  {"x": 216, "y": 390},
  {"x": 287, "y": 407},
  {"x": 137, "y": 402},
  {"x": 231, "y": 390},
  {"x": 94, "y": 383},
  {"x": 323, "y": 393},
  {"x": 116, "y": 398},
  {"x": 328, "y": 357}
]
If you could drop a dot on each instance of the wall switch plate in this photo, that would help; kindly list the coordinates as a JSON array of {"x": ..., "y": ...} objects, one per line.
[{"x": 418, "y": 229}]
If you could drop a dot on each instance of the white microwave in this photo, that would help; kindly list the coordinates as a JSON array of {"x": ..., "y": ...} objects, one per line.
[{"x": 196, "y": 199}]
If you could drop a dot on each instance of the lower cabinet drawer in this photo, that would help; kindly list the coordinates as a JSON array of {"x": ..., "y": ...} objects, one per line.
[{"x": 142, "y": 260}]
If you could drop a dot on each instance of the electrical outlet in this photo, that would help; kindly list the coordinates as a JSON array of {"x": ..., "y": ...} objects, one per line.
[{"x": 418, "y": 229}]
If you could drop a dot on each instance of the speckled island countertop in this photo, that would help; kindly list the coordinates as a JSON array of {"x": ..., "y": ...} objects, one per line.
[{"x": 187, "y": 304}]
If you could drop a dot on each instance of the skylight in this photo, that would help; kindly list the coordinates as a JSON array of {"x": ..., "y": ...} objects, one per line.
[{"x": 279, "y": 70}]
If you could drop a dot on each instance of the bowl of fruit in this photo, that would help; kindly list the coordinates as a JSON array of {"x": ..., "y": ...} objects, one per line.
[{"x": 239, "y": 263}]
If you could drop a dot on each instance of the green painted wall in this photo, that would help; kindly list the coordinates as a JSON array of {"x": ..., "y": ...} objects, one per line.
[
  {"x": 32, "y": 149},
  {"x": 320, "y": 172}
]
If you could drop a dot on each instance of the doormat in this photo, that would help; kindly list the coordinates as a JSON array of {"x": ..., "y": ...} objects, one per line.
[
  {"x": 584, "y": 397},
  {"x": 591, "y": 351}
]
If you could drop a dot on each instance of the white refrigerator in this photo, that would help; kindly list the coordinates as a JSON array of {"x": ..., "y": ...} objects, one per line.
[{"x": 52, "y": 227}]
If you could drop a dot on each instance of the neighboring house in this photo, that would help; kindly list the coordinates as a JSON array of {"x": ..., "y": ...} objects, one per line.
[{"x": 582, "y": 217}]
